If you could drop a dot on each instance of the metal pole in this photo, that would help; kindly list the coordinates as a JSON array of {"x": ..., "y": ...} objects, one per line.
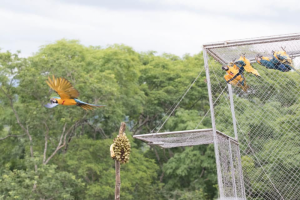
[
  {"x": 236, "y": 137},
  {"x": 232, "y": 170},
  {"x": 232, "y": 111},
  {"x": 241, "y": 173},
  {"x": 219, "y": 172}
]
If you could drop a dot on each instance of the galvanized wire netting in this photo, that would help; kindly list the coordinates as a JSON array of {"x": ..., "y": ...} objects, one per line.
[
  {"x": 182, "y": 138},
  {"x": 256, "y": 121},
  {"x": 178, "y": 138},
  {"x": 267, "y": 118},
  {"x": 231, "y": 182}
]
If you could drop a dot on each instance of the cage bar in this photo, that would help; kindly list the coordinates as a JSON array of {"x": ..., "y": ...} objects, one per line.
[{"x": 265, "y": 118}]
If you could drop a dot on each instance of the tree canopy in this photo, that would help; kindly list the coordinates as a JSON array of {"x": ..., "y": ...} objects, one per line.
[{"x": 63, "y": 153}]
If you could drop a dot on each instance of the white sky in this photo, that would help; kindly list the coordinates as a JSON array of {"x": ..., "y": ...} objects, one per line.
[{"x": 170, "y": 26}]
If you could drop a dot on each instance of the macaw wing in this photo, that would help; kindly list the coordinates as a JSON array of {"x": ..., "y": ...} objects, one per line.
[
  {"x": 238, "y": 66},
  {"x": 250, "y": 69},
  {"x": 268, "y": 62},
  {"x": 87, "y": 106},
  {"x": 227, "y": 77},
  {"x": 63, "y": 88},
  {"x": 248, "y": 66},
  {"x": 283, "y": 67},
  {"x": 51, "y": 105},
  {"x": 283, "y": 57},
  {"x": 240, "y": 62},
  {"x": 239, "y": 81}
]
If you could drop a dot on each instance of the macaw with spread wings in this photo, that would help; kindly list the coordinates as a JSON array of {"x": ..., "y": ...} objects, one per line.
[{"x": 68, "y": 95}]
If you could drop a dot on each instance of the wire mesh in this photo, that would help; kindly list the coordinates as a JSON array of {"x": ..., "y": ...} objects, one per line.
[
  {"x": 232, "y": 180},
  {"x": 181, "y": 138},
  {"x": 178, "y": 138},
  {"x": 267, "y": 116}
]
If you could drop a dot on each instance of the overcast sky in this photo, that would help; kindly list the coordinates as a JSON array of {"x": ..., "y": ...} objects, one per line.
[{"x": 171, "y": 26}]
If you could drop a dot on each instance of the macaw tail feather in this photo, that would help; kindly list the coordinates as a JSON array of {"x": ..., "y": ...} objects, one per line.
[
  {"x": 87, "y": 106},
  {"x": 244, "y": 87}
]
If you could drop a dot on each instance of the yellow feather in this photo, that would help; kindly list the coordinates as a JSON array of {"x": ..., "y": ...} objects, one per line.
[
  {"x": 63, "y": 88},
  {"x": 248, "y": 66},
  {"x": 238, "y": 80}
]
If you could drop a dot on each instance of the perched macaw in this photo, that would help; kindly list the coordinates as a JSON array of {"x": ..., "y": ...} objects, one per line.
[
  {"x": 235, "y": 76},
  {"x": 68, "y": 95},
  {"x": 280, "y": 61},
  {"x": 235, "y": 72}
]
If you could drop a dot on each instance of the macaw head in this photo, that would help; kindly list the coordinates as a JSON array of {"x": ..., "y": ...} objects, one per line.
[
  {"x": 258, "y": 58},
  {"x": 53, "y": 100},
  {"x": 225, "y": 68}
]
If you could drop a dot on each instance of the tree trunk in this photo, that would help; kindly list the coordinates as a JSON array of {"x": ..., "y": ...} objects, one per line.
[
  {"x": 118, "y": 180},
  {"x": 118, "y": 166}
]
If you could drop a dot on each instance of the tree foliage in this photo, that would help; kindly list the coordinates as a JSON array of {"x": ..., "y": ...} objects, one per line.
[{"x": 63, "y": 153}]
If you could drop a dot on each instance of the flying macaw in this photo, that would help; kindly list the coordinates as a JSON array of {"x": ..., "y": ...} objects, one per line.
[
  {"x": 68, "y": 95},
  {"x": 280, "y": 61},
  {"x": 235, "y": 72}
]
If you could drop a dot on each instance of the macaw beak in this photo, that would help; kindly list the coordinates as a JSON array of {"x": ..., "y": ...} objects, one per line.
[
  {"x": 53, "y": 100},
  {"x": 52, "y": 104},
  {"x": 225, "y": 68},
  {"x": 257, "y": 58}
]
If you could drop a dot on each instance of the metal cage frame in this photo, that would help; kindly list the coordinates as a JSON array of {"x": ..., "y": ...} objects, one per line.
[
  {"x": 211, "y": 49},
  {"x": 227, "y": 149}
]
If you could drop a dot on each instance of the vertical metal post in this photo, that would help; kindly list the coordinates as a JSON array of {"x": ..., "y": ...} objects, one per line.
[
  {"x": 232, "y": 170},
  {"x": 232, "y": 111},
  {"x": 241, "y": 173},
  {"x": 219, "y": 172},
  {"x": 236, "y": 137}
]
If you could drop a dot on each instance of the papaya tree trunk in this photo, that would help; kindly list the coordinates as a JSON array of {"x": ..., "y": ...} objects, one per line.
[{"x": 118, "y": 168}]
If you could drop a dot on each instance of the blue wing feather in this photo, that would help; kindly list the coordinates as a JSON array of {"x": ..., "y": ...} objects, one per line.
[{"x": 81, "y": 102}]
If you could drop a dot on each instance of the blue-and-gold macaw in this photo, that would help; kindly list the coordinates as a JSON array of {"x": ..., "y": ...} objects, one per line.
[
  {"x": 68, "y": 95},
  {"x": 235, "y": 76},
  {"x": 280, "y": 61},
  {"x": 235, "y": 72}
]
